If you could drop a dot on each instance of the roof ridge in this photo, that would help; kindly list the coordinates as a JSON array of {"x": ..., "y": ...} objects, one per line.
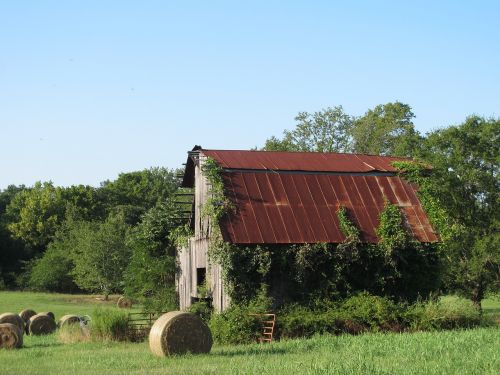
[{"x": 305, "y": 152}]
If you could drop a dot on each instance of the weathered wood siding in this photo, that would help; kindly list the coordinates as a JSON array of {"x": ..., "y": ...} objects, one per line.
[{"x": 195, "y": 255}]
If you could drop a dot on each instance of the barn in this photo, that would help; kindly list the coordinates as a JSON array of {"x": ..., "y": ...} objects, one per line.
[{"x": 288, "y": 198}]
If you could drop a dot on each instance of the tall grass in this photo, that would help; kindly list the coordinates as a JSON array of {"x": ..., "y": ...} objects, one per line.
[
  {"x": 108, "y": 324},
  {"x": 73, "y": 333}
]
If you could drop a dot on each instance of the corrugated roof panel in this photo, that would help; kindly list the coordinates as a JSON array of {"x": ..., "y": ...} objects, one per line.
[
  {"x": 295, "y": 208},
  {"x": 258, "y": 206},
  {"x": 271, "y": 206},
  {"x": 286, "y": 212},
  {"x": 305, "y": 229},
  {"x": 243, "y": 207}
]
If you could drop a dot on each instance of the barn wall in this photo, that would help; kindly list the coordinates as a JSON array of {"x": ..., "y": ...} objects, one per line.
[{"x": 195, "y": 255}]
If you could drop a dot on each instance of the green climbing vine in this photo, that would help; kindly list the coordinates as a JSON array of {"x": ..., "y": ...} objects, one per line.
[
  {"x": 217, "y": 205},
  {"x": 347, "y": 227},
  {"x": 392, "y": 232},
  {"x": 418, "y": 173},
  {"x": 180, "y": 236}
]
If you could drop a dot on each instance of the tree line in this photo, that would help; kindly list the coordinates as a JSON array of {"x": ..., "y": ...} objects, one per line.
[
  {"x": 118, "y": 237},
  {"x": 84, "y": 238}
]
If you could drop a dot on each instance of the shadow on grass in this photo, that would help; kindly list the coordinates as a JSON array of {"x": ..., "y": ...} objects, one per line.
[
  {"x": 42, "y": 345},
  {"x": 264, "y": 349}
]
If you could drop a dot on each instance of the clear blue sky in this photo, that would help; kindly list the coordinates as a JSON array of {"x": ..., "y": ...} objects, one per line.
[{"x": 89, "y": 89}]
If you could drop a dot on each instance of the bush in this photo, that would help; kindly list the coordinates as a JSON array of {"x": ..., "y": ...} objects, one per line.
[
  {"x": 107, "y": 324},
  {"x": 300, "y": 321},
  {"x": 354, "y": 315},
  {"x": 52, "y": 271},
  {"x": 234, "y": 326},
  {"x": 372, "y": 313},
  {"x": 202, "y": 309},
  {"x": 443, "y": 314}
]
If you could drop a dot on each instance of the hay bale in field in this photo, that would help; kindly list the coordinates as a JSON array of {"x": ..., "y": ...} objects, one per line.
[
  {"x": 10, "y": 336},
  {"x": 178, "y": 332},
  {"x": 68, "y": 319},
  {"x": 27, "y": 314},
  {"x": 12, "y": 319},
  {"x": 124, "y": 303},
  {"x": 49, "y": 313},
  {"x": 41, "y": 324}
]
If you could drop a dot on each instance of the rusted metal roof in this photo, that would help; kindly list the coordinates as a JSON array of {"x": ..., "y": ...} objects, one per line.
[
  {"x": 276, "y": 208},
  {"x": 302, "y": 161},
  {"x": 293, "y": 197}
]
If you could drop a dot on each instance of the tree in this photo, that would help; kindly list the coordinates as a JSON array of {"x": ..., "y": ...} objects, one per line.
[
  {"x": 132, "y": 194},
  {"x": 324, "y": 131},
  {"x": 466, "y": 165},
  {"x": 100, "y": 255},
  {"x": 150, "y": 276},
  {"x": 12, "y": 251},
  {"x": 386, "y": 130},
  {"x": 35, "y": 214},
  {"x": 53, "y": 270},
  {"x": 85, "y": 202}
]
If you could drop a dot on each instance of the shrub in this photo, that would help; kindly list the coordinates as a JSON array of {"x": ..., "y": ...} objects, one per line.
[
  {"x": 300, "y": 321},
  {"x": 107, "y": 324},
  {"x": 202, "y": 309},
  {"x": 52, "y": 271},
  {"x": 443, "y": 314},
  {"x": 234, "y": 326},
  {"x": 372, "y": 313},
  {"x": 354, "y": 315}
]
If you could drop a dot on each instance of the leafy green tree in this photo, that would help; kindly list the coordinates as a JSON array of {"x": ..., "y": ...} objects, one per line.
[
  {"x": 100, "y": 255},
  {"x": 386, "y": 130},
  {"x": 35, "y": 214},
  {"x": 52, "y": 271},
  {"x": 132, "y": 194},
  {"x": 85, "y": 202},
  {"x": 324, "y": 131},
  {"x": 466, "y": 164},
  {"x": 150, "y": 276}
]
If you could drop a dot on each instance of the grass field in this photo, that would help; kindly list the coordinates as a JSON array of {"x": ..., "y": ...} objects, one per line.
[
  {"x": 59, "y": 304},
  {"x": 453, "y": 352}
]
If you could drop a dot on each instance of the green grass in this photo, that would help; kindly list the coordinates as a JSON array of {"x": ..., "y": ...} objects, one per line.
[
  {"x": 59, "y": 304},
  {"x": 474, "y": 351},
  {"x": 491, "y": 307},
  {"x": 452, "y": 352}
]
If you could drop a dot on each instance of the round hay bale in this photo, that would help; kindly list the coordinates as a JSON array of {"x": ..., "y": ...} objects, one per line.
[
  {"x": 41, "y": 324},
  {"x": 178, "y": 332},
  {"x": 68, "y": 319},
  {"x": 124, "y": 303},
  {"x": 10, "y": 336},
  {"x": 12, "y": 319},
  {"x": 49, "y": 313},
  {"x": 27, "y": 314}
]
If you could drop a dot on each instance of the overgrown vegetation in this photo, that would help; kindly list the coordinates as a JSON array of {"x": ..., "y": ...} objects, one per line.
[
  {"x": 398, "y": 267},
  {"x": 358, "y": 314},
  {"x": 107, "y": 324}
]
